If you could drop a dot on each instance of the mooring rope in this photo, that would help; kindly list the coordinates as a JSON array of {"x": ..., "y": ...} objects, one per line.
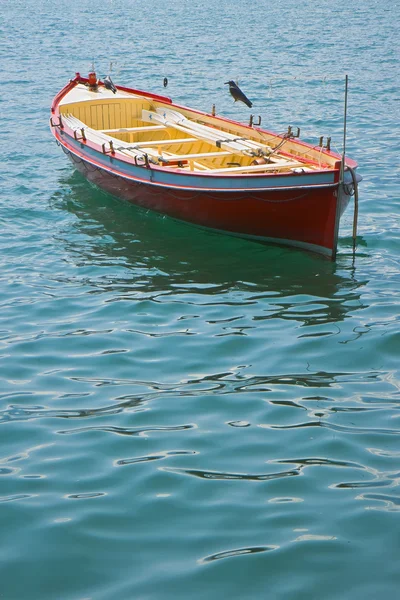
[{"x": 355, "y": 216}]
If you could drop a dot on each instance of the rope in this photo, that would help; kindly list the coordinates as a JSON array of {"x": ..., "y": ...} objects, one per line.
[{"x": 355, "y": 217}]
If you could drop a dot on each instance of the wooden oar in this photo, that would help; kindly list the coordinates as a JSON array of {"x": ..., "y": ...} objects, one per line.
[
  {"x": 216, "y": 134},
  {"x": 229, "y": 142},
  {"x": 152, "y": 117}
]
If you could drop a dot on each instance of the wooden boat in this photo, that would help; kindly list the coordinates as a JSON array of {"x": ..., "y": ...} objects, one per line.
[{"x": 204, "y": 169}]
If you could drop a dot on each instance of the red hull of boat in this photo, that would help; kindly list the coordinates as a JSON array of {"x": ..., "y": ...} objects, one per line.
[{"x": 303, "y": 218}]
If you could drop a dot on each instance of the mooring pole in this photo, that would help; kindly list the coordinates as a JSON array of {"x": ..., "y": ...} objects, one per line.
[
  {"x": 355, "y": 184},
  {"x": 346, "y": 87},
  {"x": 343, "y": 165}
]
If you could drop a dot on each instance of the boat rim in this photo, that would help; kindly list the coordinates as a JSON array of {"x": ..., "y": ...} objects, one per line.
[{"x": 78, "y": 79}]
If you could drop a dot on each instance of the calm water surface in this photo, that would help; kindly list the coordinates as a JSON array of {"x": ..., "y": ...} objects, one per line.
[{"x": 183, "y": 414}]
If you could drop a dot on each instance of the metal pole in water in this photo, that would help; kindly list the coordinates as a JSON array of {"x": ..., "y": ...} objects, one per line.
[
  {"x": 355, "y": 184},
  {"x": 346, "y": 87}
]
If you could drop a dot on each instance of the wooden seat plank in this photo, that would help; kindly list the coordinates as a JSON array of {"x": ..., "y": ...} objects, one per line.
[{"x": 133, "y": 129}]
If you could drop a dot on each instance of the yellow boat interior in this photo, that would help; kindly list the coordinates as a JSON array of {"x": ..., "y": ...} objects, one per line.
[{"x": 176, "y": 137}]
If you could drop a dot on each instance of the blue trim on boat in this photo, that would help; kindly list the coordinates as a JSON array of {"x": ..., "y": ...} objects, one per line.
[{"x": 192, "y": 182}]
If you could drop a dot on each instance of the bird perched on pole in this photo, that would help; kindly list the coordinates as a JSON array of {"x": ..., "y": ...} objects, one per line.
[
  {"x": 108, "y": 84},
  {"x": 237, "y": 93}
]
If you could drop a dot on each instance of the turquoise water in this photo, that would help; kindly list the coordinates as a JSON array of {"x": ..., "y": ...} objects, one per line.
[{"x": 184, "y": 414}]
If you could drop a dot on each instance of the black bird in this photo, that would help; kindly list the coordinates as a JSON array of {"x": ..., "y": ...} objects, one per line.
[
  {"x": 237, "y": 93},
  {"x": 109, "y": 84}
]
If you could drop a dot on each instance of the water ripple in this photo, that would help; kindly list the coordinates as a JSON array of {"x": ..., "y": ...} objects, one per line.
[
  {"x": 16, "y": 497},
  {"x": 86, "y": 496},
  {"x": 132, "y": 431},
  {"x": 152, "y": 457},
  {"x": 391, "y": 503},
  {"x": 236, "y": 552},
  {"x": 230, "y": 476},
  {"x": 334, "y": 427}
]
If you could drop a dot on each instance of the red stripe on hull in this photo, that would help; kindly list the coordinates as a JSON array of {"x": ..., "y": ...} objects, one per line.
[{"x": 305, "y": 217}]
